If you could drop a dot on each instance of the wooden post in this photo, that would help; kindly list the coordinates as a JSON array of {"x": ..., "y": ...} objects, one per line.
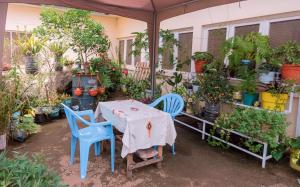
[
  {"x": 129, "y": 163},
  {"x": 3, "y": 13}
]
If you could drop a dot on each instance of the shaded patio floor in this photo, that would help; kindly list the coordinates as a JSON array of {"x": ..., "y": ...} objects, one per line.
[{"x": 195, "y": 164}]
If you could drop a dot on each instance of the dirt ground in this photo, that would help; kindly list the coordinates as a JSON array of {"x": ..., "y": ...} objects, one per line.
[{"x": 195, "y": 163}]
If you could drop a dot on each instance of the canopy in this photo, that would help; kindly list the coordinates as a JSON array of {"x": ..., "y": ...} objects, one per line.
[{"x": 150, "y": 11}]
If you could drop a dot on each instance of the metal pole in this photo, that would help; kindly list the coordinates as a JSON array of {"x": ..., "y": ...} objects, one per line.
[
  {"x": 154, "y": 56},
  {"x": 3, "y": 13}
]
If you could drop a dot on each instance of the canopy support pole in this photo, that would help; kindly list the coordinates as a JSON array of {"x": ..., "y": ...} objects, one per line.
[
  {"x": 3, "y": 13},
  {"x": 153, "y": 33}
]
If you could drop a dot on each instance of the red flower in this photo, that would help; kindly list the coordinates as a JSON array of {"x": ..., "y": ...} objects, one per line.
[
  {"x": 114, "y": 69},
  {"x": 125, "y": 71}
]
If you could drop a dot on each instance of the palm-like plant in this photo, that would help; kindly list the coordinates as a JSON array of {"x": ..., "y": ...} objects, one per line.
[{"x": 30, "y": 46}]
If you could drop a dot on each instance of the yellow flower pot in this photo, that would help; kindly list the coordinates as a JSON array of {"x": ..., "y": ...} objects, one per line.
[
  {"x": 294, "y": 157},
  {"x": 274, "y": 102}
]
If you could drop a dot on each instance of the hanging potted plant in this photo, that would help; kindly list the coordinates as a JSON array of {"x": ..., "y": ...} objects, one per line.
[
  {"x": 58, "y": 49},
  {"x": 215, "y": 89},
  {"x": 30, "y": 47},
  {"x": 248, "y": 86},
  {"x": 93, "y": 91},
  {"x": 289, "y": 55},
  {"x": 200, "y": 59},
  {"x": 276, "y": 96}
]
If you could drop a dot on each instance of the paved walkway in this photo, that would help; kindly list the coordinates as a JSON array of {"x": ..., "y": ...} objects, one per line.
[{"x": 195, "y": 164}]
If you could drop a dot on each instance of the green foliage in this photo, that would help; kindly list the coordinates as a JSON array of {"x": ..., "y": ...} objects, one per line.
[
  {"x": 30, "y": 45},
  {"x": 58, "y": 49},
  {"x": 135, "y": 88},
  {"x": 280, "y": 87},
  {"x": 22, "y": 171},
  {"x": 249, "y": 83},
  {"x": 214, "y": 85},
  {"x": 108, "y": 72},
  {"x": 141, "y": 42},
  {"x": 203, "y": 56},
  {"x": 254, "y": 47},
  {"x": 27, "y": 124},
  {"x": 75, "y": 28},
  {"x": 269, "y": 127},
  {"x": 289, "y": 53}
]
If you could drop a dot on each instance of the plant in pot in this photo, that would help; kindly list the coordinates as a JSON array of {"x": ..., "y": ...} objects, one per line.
[
  {"x": 268, "y": 72},
  {"x": 243, "y": 52},
  {"x": 58, "y": 49},
  {"x": 200, "y": 59},
  {"x": 215, "y": 89},
  {"x": 93, "y": 91},
  {"x": 248, "y": 86},
  {"x": 295, "y": 153},
  {"x": 25, "y": 128},
  {"x": 6, "y": 109},
  {"x": 276, "y": 96},
  {"x": 30, "y": 47},
  {"x": 289, "y": 56}
]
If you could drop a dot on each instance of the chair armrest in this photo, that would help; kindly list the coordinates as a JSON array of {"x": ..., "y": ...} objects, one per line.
[
  {"x": 89, "y": 113},
  {"x": 155, "y": 103}
]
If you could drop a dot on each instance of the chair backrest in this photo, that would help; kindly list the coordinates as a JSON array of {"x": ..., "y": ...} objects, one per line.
[
  {"x": 172, "y": 103},
  {"x": 72, "y": 118},
  {"x": 142, "y": 71}
]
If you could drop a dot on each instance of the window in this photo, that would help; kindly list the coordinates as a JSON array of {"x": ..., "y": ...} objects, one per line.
[
  {"x": 185, "y": 50},
  {"x": 128, "y": 52},
  {"x": 121, "y": 50},
  {"x": 283, "y": 31},
  {"x": 244, "y": 30},
  {"x": 216, "y": 37},
  {"x": 181, "y": 54}
]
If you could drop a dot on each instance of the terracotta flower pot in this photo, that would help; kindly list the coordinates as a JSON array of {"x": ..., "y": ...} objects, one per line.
[
  {"x": 291, "y": 72},
  {"x": 101, "y": 90},
  {"x": 93, "y": 92},
  {"x": 199, "y": 66},
  {"x": 78, "y": 92}
]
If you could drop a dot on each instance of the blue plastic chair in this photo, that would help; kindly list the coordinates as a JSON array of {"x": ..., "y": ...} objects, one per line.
[
  {"x": 93, "y": 134},
  {"x": 172, "y": 104}
]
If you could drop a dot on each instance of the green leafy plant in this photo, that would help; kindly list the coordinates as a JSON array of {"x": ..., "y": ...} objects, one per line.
[
  {"x": 203, "y": 56},
  {"x": 30, "y": 45},
  {"x": 214, "y": 85},
  {"x": 254, "y": 47},
  {"x": 280, "y": 87},
  {"x": 141, "y": 42},
  {"x": 77, "y": 29},
  {"x": 249, "y": 83},
  {"x": 289, "y": 53},
  {"x": 269, "y": 127},
  {"x": 22, "y": 171},
  {"x": 58, "y": 49}
]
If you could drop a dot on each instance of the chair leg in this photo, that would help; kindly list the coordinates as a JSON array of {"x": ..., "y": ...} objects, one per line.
[
  {"x": 112, "y": 154},
  {"x": 173, "y": 149},
  {"x": 84, "y": 157},
  {"x": 73, "y": 149},
  {"x": 97, "y": 147}
]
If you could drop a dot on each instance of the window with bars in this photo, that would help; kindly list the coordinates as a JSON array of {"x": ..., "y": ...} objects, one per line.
[
  {"x": 283, "y": 31},
  {"x": 181, "y": 54},
  {"x": 216, "y": 38}
]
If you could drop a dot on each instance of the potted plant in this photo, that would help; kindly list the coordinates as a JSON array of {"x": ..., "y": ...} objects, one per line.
[
  {"x": 25, "y": 128},
  {"x": 30, "y": 47},
  {"x": 58, "y": 49},
  {"x": 200, "y": 59},
  {"x": 268, "y": 72},
  {"x": 237, "y": 94},
  {"x": 295, "y": 154},
  {"x": 215, "y": 89},
  {"x": 6, "y": 109},
  {"x": 93, "y": 91},
  {"x": 243, "y": 52},
  {"x": 248, "y": 86},
  {"x": 289, "y": 55},
  {"x": 276, "y": 96}
]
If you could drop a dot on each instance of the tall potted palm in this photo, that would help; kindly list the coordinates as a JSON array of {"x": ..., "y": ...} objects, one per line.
[
  {"x": 30, "y": 47},
  {"x": 6, "y": 102}
]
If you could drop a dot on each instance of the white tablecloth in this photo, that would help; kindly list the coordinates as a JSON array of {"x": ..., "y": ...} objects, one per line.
[{"x": 142, "y": 125}]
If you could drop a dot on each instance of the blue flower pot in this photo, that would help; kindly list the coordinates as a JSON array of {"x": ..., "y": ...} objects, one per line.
[{"x": 250, "y": 98}]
